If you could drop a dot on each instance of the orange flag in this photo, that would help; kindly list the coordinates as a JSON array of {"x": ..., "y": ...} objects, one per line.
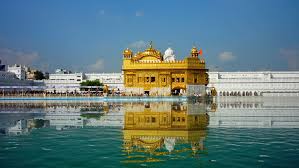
[{"x": 200, "y": 52}]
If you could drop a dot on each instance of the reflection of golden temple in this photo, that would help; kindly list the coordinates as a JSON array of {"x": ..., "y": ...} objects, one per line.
[
  {"x": 150, "y": 72},
  {"x": 163, "y": 128}
]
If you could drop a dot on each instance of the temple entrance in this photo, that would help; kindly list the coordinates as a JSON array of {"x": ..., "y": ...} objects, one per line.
[
  {"x": 146, "y": 92},
  {"x": 176, "y": 91}
]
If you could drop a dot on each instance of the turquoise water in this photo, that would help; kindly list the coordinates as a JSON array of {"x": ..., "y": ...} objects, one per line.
[
  {"x": 56, "y": 134},
  {"x": 102, "y": 147}
]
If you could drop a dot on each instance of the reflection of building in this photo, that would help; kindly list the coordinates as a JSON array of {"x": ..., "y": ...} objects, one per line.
[
  {"x": 19, "y": 128},
  {"x": 263, "y": 83},
  {"x": 255, "y": 112},
  {"x": 163, "y": 128},
  {"x": 150, "y": 73}
]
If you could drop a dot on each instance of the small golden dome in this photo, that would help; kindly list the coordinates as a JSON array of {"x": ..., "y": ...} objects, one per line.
[
  {"x": 127, "y": 53},
  {"x": 194, "y": 50}
]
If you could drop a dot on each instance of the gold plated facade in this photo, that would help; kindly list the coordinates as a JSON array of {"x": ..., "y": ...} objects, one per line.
[{"x": 147, "y": 73}]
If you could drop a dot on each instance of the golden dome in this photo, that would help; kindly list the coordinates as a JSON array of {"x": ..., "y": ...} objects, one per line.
[
  {"x": 150, "y": 53},
  {"x": 127, "y": 52},
  {"x": 194, "y": 52}
]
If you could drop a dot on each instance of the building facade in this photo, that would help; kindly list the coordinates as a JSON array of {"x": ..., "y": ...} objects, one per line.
[
  {"x": 14, "y": 80},
  {"x": 70, "y": 82},
  {"x": 260, "y": 83},
  {"x": 18, "y": 70},
  {"x": 151, "y": 73},
  {"x": 112, "y": 80},
  {"x": 62, "y": 83},
  {"x": 9, "y": 81}
]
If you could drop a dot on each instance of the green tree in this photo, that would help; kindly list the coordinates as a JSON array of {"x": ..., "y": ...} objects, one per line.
[
  {"x": 88, "y": 83},
  {"x": 91, "y": 83},
  {"x": 38, "y": 75}
]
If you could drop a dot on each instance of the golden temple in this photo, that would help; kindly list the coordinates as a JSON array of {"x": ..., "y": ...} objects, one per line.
[{"x": 151, "y": 73}]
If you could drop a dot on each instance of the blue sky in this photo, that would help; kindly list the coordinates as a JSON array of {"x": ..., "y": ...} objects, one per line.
[{"x": 235, "y": 35}]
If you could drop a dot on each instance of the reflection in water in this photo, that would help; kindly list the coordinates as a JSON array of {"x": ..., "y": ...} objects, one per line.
[
  {"x": 189, "y": 132},
  {"x": 259, "y": 112},
  {"x": 21, "y": 117},
  {"x": 157, "y": 129}
]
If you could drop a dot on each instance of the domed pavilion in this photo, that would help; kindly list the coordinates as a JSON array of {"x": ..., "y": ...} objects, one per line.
[{"x": 151, "y": 73}]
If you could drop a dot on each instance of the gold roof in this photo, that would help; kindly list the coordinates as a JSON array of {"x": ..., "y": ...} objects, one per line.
[{"x": 149, "y": 54}]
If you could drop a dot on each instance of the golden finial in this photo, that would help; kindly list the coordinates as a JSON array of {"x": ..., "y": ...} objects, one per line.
[{"x": 151, "y": 44}]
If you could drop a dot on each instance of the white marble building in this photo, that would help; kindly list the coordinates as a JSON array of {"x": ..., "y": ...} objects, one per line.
[
  {"x": 9, "y": 82},
  {"x": 70, "y": 82},
  {"x": 61, "y": 83},
  {"x": 112, "y": 80},
  {"x": 15, "y": 79},
  {"x": 260, "y": 83},
  {"x": 18, "y": 70}
]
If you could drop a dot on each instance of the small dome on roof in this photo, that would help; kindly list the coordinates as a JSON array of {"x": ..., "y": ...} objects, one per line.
[
  {"x": 169, "y": 51},
  {"x": 127, "y": 53},
  {"x": 169, "y": 55},
  {"x": 194, "y": 50}
]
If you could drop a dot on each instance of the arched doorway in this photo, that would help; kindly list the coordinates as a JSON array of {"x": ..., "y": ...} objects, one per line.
[{"x": 177, "y": 91}]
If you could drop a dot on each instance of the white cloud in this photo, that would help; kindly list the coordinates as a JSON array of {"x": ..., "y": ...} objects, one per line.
[
  {"x": 97, "y": 66},
  {"x": 292, "y": 57},
  {"x": 226, "y": 56},
  {"x": 139, "y": 13},
  {"x": 11, "y": 56},
  {"x": 138, "y": 45}
]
